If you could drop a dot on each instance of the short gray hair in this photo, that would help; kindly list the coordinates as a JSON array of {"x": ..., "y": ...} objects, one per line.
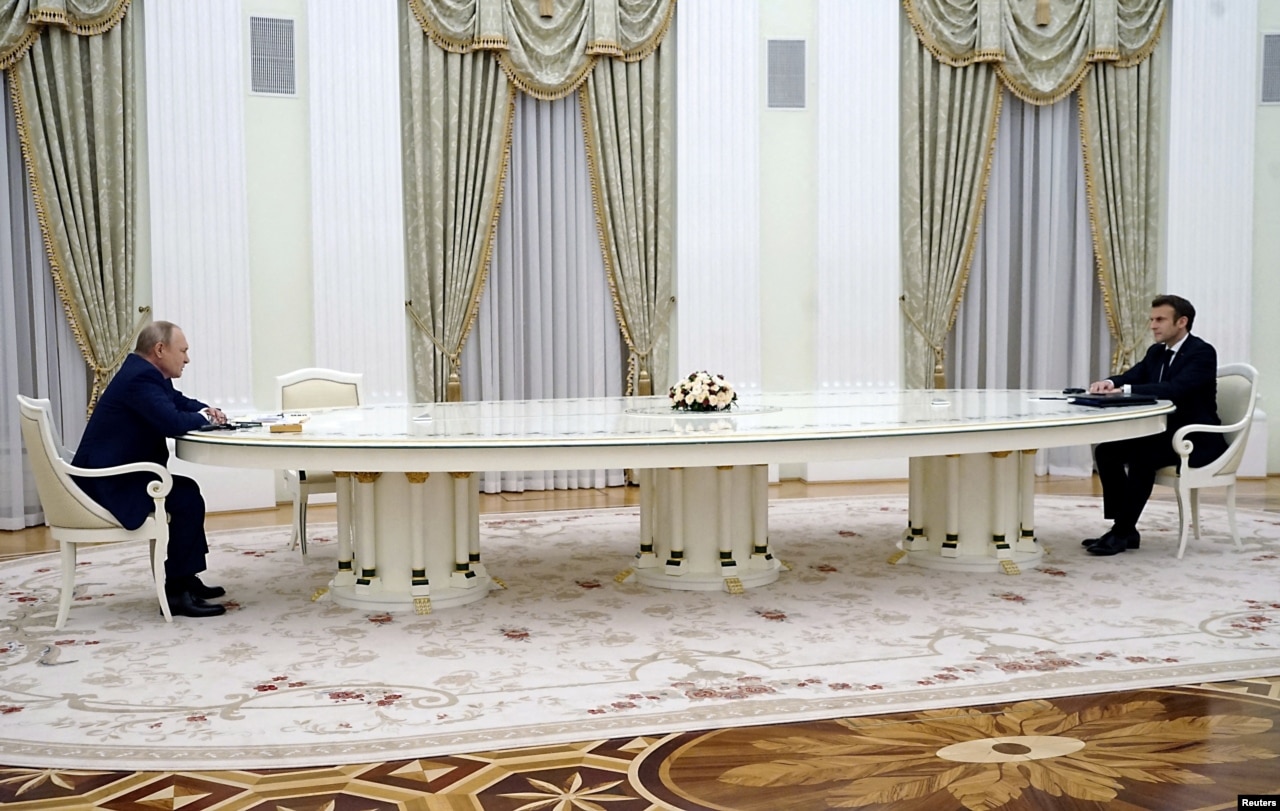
[{"x": 157, "y": 332}]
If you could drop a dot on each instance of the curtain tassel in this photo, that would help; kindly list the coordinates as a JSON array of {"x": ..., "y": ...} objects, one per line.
[
  {"x": 645, "y": 385},
  {"x": 453, "y": 389}
]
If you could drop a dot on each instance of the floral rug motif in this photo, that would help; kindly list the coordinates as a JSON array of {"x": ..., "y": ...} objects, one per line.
[{"x": 568, "y": 653}]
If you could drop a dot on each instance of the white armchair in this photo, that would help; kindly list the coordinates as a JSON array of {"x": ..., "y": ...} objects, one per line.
[
  {"x": 311, "y": 389},
  {"x": 1237, "y": 396},
  {"x": 74, "y": 518}
]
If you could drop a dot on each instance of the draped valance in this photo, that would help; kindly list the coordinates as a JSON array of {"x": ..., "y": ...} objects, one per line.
[
  {"x": 1040, "y": 49},
  {"x": 21, "y": 21},
  {"x": 547, "y": 57}
]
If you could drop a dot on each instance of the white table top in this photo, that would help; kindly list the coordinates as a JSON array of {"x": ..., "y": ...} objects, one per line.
[{"x": 645, "y": 432}]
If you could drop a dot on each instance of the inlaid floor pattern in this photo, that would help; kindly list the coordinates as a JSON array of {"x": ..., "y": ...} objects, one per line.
[{"x": 1195, "y": 747}]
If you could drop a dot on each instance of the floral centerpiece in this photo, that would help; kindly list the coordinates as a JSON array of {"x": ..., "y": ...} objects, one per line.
[{"x": 702, "y": 391}]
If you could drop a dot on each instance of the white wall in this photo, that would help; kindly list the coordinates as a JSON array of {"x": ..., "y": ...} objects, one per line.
[
  {"x": 789, "y": 247},
  {"x": 1266, "y": 246},
  {"x": 278, "y": 168}
]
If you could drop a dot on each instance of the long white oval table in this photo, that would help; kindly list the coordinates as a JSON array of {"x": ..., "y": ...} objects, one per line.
[{"x": 408, "y": 519}]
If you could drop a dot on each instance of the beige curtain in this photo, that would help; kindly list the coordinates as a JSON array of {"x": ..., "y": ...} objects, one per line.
[
  {"x": 949, "y": 118},
  {"x": 1120, "y": 130},
  {"x": 457, "y": 110},
  {"x": 628, "y": 110},
  {"x": 547, "y": 48},
  {"x": 73, "y": 96},
  {"x": 459, "y": 57},
  {"x": 1041, "y": 50}
]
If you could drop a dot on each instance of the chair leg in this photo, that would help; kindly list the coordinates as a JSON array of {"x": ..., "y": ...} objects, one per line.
[
  {"x": 1182, "y": 517},
  {"x": 302, "y": 526},
  {"x": 158, "y": 554},
  {"x": 1231, "y": 514},
  {"x": 299, "y": 505},
  {"x": 68, "y": 582},
  {"x": 1195, "y": 512}
]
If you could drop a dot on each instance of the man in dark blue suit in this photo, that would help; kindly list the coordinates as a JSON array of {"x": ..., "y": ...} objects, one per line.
[
  {"x": 138, "y": 411},
  {"x": 1178, "y": 367}
]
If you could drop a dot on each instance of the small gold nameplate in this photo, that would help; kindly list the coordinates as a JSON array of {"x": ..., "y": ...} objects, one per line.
[{"x": 286, "y": 428}]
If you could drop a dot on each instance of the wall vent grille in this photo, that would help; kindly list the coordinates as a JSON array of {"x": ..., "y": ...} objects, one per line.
[
  {"x": 786, "y": 74},
  {"x": 1271, "y": 68},
  {"x": 272, "y": 67}
]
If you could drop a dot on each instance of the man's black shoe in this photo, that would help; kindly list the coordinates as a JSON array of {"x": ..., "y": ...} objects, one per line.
[
  {"x": 1116, "y": 543},
  {"x": 186, "y": 604},
  {"x": 1106, "y": 536},
  {"x": 204, "y": 592}
]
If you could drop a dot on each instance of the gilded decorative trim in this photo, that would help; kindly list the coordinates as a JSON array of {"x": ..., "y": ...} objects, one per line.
[
  {"x": 91, "y": 27},
  {"x": 449, "y": 43},
  {"x": 984, "y": 180},
  {"x": 1147, "y": 48},
  {"x": 599, "y": 48},
  {"x": 454, "y": 355},
  {"x": 1039, "y": 98},
  {"x": 486, "y": 251},
  {"x": 74, "y": 317},
  {"x": 1100, "y": 251},
  {"x": 645, "y": 49},
  {"x": 1029, "y": 94},
  {"x": 542, "y": 92},
  {"x": 933, "y": 47},
  {"x": 41, "y": 19},
  {"x": 606, "y": 47},
  {"x": 602, "y": 231},
  {"x": 20, "y": 49}
]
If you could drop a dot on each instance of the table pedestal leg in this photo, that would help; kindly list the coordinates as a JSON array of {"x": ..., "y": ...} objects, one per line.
[
  {"x": 978, "y": 500},
  {"x": 419, "y": 582},
  {"x": 916, "y": 539},
  {"x": 710, "y": 526},
  {"x": 646, "y": 558},
  {"x": 366, "y": 533},
  {"x": 1027, "y": 508},
  {"x": 345, "y": 575},
  {"x": 463, "y": 577},
  {"x": 412, "y": 532},
  {"x": 761, "y": 556},
  {"x": 951, "y": 546}
]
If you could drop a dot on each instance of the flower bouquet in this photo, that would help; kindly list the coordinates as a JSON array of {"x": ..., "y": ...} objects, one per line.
[{"x": 702, "y": 391}]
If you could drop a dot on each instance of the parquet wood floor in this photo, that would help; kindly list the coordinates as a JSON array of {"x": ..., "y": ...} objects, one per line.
[{"x": 1194, "y": 747}]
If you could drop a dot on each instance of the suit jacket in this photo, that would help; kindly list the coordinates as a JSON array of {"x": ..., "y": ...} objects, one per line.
[
  {"x": 138, "y": 411},
  {"x": 1192, "y": 385}
]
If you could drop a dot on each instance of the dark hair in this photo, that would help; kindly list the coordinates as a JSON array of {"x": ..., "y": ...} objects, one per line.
[
  {"x": 1181, "y": 307},
  {"x": 157, "y": 332}
]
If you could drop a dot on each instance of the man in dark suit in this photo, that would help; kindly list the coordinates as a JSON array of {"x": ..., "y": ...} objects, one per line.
[
  {"x": 1178, "y": 367},
  {"x": 138, "y": 411}
]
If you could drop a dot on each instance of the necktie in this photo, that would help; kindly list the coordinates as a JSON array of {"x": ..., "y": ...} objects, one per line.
[{"x": 1164, "y": 365}]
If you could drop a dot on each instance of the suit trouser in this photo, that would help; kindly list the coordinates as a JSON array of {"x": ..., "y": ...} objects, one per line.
[
  {"x": 1127, "y": 470},
  {"x": 187, "y": 543}
]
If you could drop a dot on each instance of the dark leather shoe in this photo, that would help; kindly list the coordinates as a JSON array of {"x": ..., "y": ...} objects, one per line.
[
  {"x": 1106, "y": 536},
  {"x": 204, "y": 592},
  {"x": 1116, "y": 544},
  {"x": 186, "y": 604}
]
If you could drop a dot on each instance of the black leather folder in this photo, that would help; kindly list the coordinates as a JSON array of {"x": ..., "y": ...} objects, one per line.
[{"x": 1111, "y": 400}]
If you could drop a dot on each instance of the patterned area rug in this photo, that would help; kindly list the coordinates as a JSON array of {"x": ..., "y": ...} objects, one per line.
[{"x": 566, "y": 653}]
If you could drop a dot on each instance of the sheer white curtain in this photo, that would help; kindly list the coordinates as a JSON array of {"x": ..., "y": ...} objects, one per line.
[
  {"x": 38, "y": 353},
  {"x": 546, "y": 326},
  {"x": 1032, "y": 315}
]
